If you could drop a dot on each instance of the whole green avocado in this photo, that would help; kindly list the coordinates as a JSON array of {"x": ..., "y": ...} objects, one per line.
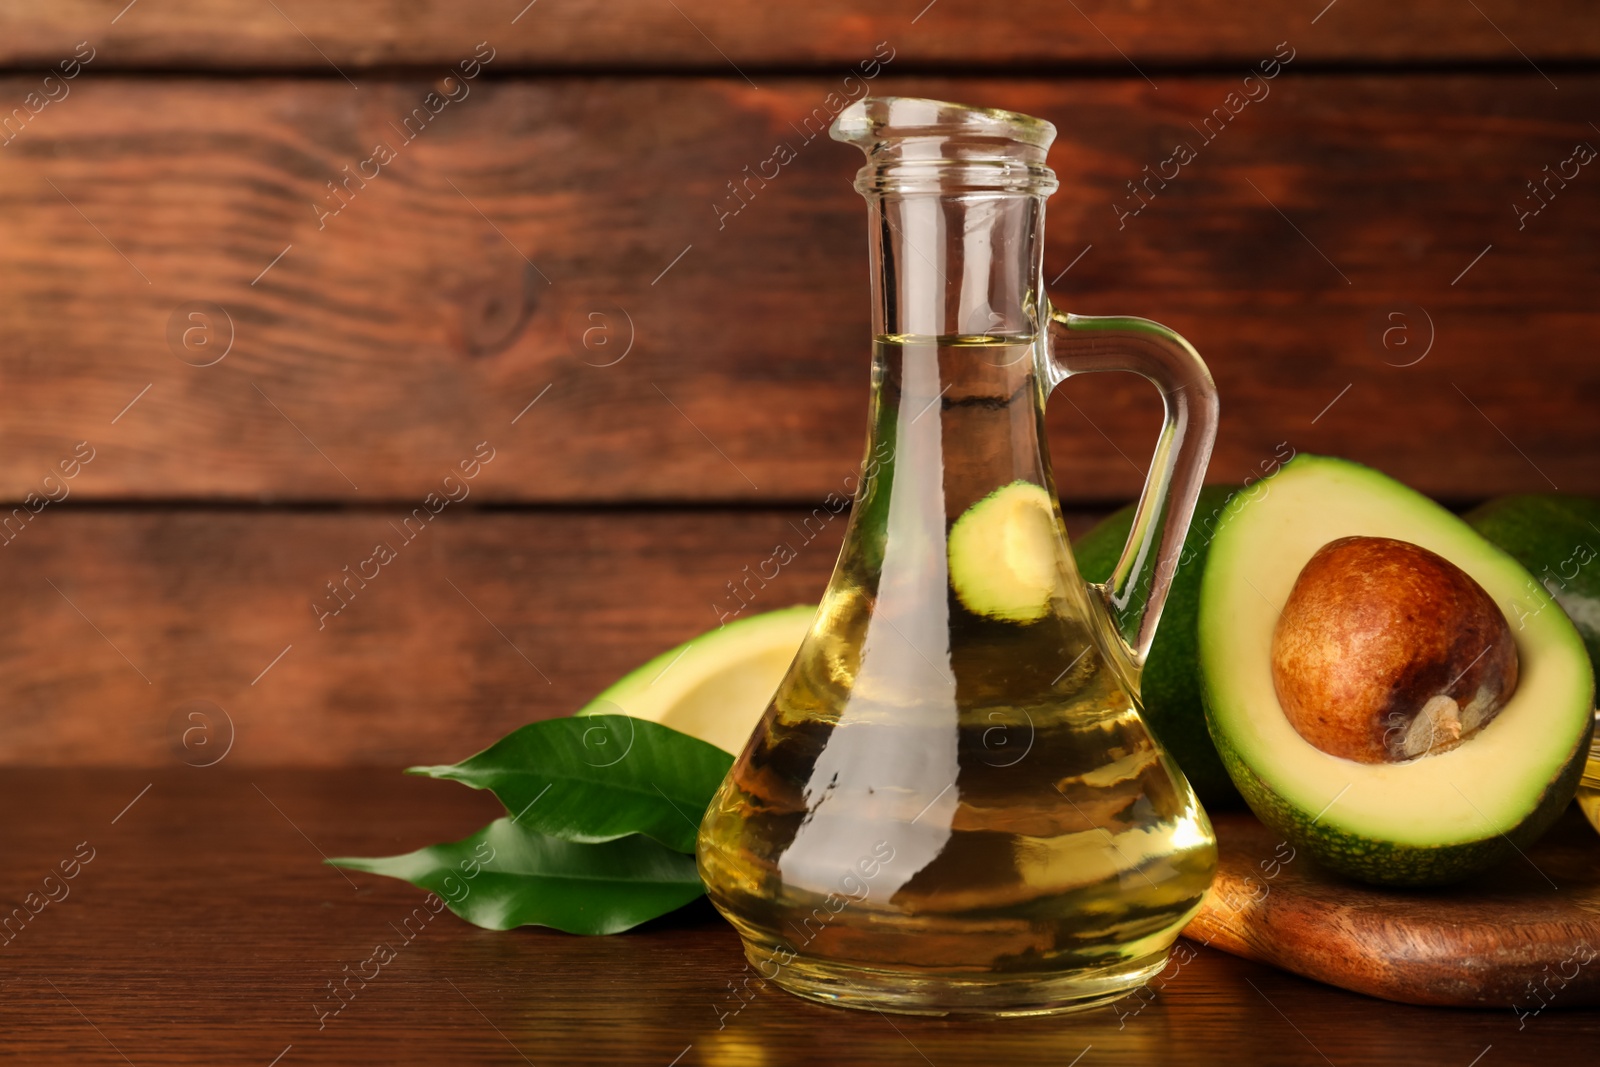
[
  {"x": 1557, "y": 537},
  {"x": 1170, "y": 689}
]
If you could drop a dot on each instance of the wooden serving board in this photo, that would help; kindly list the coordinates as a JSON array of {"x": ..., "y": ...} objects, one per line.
[{"x": 1523, "y": 936}]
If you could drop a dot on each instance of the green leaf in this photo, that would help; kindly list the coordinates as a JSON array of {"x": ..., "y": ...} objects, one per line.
[
  {"x": 506, "y": 876},
  {"x": 598, "y": 778}
]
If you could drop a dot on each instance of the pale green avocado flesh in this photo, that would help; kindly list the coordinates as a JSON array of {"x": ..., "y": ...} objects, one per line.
[
  {"x": 1003, "y": 554},
  {"x": 1427, "y": 821},
  {"x": 715, "y": 686}
]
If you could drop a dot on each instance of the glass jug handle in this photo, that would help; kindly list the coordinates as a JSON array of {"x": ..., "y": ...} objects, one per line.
[{"x": 1080, "y": 344}]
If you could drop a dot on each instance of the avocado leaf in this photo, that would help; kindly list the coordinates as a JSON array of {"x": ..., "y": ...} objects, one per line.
[
  {"x": 598, "y": 778},
  {"x": 506, "y": 876}
]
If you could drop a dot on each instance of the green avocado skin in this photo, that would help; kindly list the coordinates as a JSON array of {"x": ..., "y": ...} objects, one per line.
[
  {"x": 1557, "y": 537},
  {"x": 1385, "y": 863},
  {"x": 1170, "y": 687}
]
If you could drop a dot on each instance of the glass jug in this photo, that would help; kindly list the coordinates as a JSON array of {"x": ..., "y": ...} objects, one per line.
[{"x": 951, "y": 804}]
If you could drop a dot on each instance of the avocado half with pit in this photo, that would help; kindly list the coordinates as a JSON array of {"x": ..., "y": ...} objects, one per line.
[
  {"x": 1340, "y": 623},
  {"x": 716, "y": 686}
]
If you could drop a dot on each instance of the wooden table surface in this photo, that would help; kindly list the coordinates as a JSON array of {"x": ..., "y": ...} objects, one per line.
[{"x": 204, "y": 929}]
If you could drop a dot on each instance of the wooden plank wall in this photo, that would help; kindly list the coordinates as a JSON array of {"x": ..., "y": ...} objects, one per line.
[{"x": 252, "y": 363}]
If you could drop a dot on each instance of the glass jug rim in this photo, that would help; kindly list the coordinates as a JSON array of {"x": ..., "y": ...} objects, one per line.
[
  {"x": 937, "y": 147},
  {"x": 878, "y": 118}
]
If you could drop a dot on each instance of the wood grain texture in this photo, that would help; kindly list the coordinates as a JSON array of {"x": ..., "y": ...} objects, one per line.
[
  {"x": 1524, "y": 936},
  {"x": 562, "y": 34},
  {"x": 205, "y": 929},
  {"x": 127, "y": 622},
  {"x": 532, "y": 230}
]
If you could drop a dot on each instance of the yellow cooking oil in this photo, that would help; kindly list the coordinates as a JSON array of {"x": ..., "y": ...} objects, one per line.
[
  {"x": 1589, "y": 784},
  {"x": 943, "y": 811}
]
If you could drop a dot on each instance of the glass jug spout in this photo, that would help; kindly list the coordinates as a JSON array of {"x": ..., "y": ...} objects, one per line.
[{"x": 952, "y": 803}]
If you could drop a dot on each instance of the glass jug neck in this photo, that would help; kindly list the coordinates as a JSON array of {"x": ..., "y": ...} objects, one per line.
[
  {"x": 956, "y": 196},
  {"x": 962, "y": 265}
]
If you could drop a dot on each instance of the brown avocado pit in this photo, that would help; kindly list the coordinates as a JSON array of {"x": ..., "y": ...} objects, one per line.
[{"x": 1386, "y": 652}]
